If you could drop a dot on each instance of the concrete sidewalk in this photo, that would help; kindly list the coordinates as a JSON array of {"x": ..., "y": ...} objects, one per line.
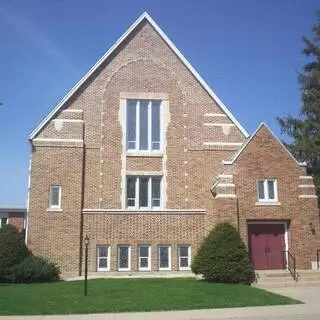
[{"x": 308, "y": 311}]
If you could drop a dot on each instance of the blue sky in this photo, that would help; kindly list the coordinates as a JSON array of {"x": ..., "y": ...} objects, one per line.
[{"x": 248, "y": 51}]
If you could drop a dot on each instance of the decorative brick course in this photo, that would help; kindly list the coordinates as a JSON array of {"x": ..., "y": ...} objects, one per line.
[{"x": 91, "y": 174}]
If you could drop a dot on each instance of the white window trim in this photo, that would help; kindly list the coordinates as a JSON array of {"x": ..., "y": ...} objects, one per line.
[
  {"x": 189, "y": 258},
  {"x": 4, "y": 216},
  {"x": 137, "y": 150},
  {"x": 266, "y": 190},
  {"x": 137, "y": 193},
  {"x": 129, "y": 258},
  {"x": 148, "y": 268},
  {"x": 51, "y": 206},
  {"x": 169, "y": 258},
  {"x": 108, "y": 258}
]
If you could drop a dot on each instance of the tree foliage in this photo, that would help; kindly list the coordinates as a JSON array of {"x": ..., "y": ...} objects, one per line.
[
  {"x": 223, "y": 257},
  {"x": 35, "y": 269},
  {"x": 12, "y": 250},
  {"x": 305, "y": 129}
]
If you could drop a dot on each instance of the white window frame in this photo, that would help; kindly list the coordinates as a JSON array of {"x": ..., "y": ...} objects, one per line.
[
  {"x": 137, "y": 193},
  {"x": 52, "y": 206},
  {"x": 189, "y": 257},
  {"x": 137, "y": 141},
  {"x": 169, "y": 257},
  {"x": 3, "y": 216},
  {"x": 266, "y": 190},
  {"x": 129, "y": 258},
  {"x": 108, "y": 258},
  {"x": 148, "y": 268}
]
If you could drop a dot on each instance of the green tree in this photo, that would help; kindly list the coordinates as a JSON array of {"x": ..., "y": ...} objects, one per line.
[
  {"x": 305, "y": 129},
  {"x": 12, "y": 250},
  {"x": 223, "y": 257}
]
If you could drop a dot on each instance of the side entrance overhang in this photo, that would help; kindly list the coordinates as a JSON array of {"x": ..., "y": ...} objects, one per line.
[{"x": 268, "y": 244}]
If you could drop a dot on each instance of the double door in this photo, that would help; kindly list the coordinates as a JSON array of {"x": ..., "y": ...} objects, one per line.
[{"x": 267, "y": 245}]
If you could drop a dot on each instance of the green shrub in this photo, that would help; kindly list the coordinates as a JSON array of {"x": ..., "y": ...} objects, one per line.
[
  {"x": 35, "y": 269},
  {"x": 12, "y": 250},
  {"x": 223, "y": 257}
]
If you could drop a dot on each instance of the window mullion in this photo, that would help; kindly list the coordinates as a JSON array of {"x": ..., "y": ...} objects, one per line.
[
  {"x": 59, "y": 197},
  {"x": 266, "y": 189},
  {"x": 149, "y": 193},
  {"x": 161, "y": 136},
  {"x": 138, "y": 125},
  {"x": 137, "y": 193},
  {"x": 149, "y": 126},
  {"x": 161, "y": 193}
]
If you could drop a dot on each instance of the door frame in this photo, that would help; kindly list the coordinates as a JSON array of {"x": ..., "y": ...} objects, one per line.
[{"x": 285, "y": 224}]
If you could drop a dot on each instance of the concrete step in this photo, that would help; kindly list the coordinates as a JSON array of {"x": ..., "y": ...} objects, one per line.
[
  {"x": 284, "y": 274},
  {"x": 274, "y": 279},
  {"x": 309, "y": 278},
  {"x": 283, "y": 278}
]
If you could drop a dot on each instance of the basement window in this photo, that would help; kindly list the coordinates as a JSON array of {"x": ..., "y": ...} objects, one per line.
[
  {"x": 144, "y": 258},
  {"x": 184, "y": 257},
  {"x": 103, "y": 258},
  {"x": 164, "y": 257}
]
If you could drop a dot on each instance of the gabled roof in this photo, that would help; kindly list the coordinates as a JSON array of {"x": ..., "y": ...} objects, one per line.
[
  {"x": 237, "y": 154},
  {"x": 144, "y": 16}
]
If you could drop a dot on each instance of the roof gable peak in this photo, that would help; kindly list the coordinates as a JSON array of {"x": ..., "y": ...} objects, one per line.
[
  {"x": 260, "y": 127},
  {"x": 143, "y": 16}
]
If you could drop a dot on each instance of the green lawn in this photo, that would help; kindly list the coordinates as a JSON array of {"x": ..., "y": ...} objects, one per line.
[{"x": 119, "y": 295}]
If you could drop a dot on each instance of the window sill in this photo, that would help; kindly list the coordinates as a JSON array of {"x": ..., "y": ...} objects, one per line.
[
  {"x": 54, "y": 210},
  {"x": 143, "y": 209},
  {"x": 156, "y": 154},
  {"x": 268, "y": 203},
  {"x": 124, "y": 270},
  {"x": 145, "y": 270},
  {"x": 164, "y": 269}
]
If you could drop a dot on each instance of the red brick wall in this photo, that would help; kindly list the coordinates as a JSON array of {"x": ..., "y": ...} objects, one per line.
[
  {"x": 16, "y": 219},
  {"x": 265, "y": 157},
  {"x": 145, "y": 64}
]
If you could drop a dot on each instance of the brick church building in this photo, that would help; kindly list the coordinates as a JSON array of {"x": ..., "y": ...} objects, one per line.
[{"x": 145, "y": 159}]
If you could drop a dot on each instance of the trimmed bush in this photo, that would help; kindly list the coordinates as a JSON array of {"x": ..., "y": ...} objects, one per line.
[
  {"x": 35, "y": 269},
  {"x": 223, "y": 257},
  {"x": 12, "y": 250}
]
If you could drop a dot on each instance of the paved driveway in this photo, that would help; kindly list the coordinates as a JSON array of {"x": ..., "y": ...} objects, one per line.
[{"x": 308, "y": 311}]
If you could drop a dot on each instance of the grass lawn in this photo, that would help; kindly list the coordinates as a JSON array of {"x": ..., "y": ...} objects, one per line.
[{"x": 120, "y": 295}]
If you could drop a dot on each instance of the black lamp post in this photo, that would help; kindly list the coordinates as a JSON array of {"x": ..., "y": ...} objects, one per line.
[{"x": 86, "y": 243}]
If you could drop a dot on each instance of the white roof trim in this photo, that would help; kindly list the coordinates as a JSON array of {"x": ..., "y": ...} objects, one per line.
[
  {"x": 237, "y": 154},
  {"x": 146, "y": 16}
]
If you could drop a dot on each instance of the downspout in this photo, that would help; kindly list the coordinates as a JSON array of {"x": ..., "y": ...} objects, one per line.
[
  {"x": 82, "y": 201},
  {"x": 238, "y": 213},
  {"x": 26, "y": 218}
]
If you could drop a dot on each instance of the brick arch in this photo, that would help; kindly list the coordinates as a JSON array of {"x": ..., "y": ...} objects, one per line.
[{"x": 170, "y": 84}]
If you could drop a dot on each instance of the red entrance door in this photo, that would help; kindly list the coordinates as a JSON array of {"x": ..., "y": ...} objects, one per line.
[{"x": 267, "y": 245}]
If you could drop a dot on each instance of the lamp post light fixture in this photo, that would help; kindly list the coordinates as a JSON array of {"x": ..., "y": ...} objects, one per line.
[
  {"x": 86, "y": 243},
  {"x": 312, "y": 228}
]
